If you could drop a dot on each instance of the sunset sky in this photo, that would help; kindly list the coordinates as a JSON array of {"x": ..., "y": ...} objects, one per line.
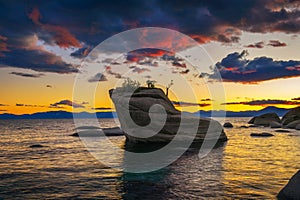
[{"x": 254, "y": 45}]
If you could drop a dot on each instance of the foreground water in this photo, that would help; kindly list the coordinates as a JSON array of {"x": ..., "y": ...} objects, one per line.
[{"x": 243, "y": 168}]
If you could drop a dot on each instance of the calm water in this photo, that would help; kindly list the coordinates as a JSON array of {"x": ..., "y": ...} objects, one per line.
[{"x": 243, "y": 168}]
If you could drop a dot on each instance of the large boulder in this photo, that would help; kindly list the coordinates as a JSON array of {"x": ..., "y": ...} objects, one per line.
[
  {"x": 265, "y": 119},
  {"x": 291, "y": 115},
  {"x": 142, "y": 117},
  {"x": 275, "y": 125},
  {"x": 293, "y": 124},
  {"x": 291, "y": 190}
]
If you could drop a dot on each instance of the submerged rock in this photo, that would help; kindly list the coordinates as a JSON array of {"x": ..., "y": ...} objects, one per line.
[
  {"x": 291, "y": 190},
  {"x": 37, "y": 146},
  {"x": 291, "y": 115},
  {"x": 228, "y": 125},
  {"x": 115, "y": 131},
  {"x": 134, "y": 111},
  {"x": 265, "y": 119},
  {"x": 261, "y": 134},
  {"x": 282, "y": 131},
  {"x": 275, "y": 125},
  {"x": 253, "y": 126},
  {"x": 87, "y": 127}
]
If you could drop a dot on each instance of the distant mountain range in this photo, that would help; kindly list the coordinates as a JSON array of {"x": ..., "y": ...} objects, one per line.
[
  {"x": 69, "y": 115},
  {"x": 248, "y": 113},
  {"x": 59, "y": 115}
]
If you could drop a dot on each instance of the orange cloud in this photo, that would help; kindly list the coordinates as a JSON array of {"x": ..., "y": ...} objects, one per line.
[
  {"x": 202, "y": 39},
  {"x": 171, "y": 41},
  {"x": 35, "y": 16},
  {"x": 60, "y": 35},
  {"x": 3, "y": 45}
]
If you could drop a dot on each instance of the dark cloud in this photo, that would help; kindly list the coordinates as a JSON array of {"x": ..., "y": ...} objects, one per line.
[
  {"x": 235, "y": 67},
  {"x": 28, "y": 105},
  {"x": 263, "y": 102},
  {"x": 78, "y": 24},
  {"x": 66, "y": 103},
  {"x": 102, "y": 108},
  {"x": 186, "y": 104},
  {"x": 3, "y": 104},
  {"x": 185, "y": 71},
  {"x": 27, "y": 74},
  {"x": 273, "y": 43},
  {"x": 256, "y": 45},
  {"x": 140, "y": 70},
  {"x": 37, "y": 60},
  {"x": 97, "y": 78},
  {"x": 49, "y": 86},
  {"x": 207, "y": 99},
  {"x": 296, "y": 99},
  {"x": 178, "y": 64},
  {"x": 276, "y": 43},
  {"x": 82, "y": 52},
  {"x": 110, "y": 72}
]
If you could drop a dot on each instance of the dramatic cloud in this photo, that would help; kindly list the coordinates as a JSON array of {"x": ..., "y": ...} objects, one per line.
[
  {"x": 66, "y": 103},
  {"x": 85, "y": 24},
  {"x": 141, "y": 54},
  {"x": 27, "y": 74},
  {"x": 263, "y": 102},
  {"x": 59, "y": 35},
  {"x": 276, "y": 43},
  {"x": 186, "y": 104},
  {"x": 296, "y": 99},
  {"x": 97, "y": 78},
  {"x": 235, "y": 67}
]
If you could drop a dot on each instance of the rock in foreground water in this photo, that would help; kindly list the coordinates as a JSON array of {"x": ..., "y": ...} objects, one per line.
[
  {"x": 292, "y": 190},
  {"x": 145, "y": 102},
  {"x": 293, "y": 124},
  {"x": 228, "y": 125},
  {"x": 291, "y": 115},
  {"x": 265, "y": 119}
]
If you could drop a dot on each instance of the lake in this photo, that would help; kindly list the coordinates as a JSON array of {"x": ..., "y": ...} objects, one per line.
[{"x": 242, "y": 168}]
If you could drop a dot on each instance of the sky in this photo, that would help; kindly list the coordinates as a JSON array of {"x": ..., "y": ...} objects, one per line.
[{"x": 252, "y": 44}]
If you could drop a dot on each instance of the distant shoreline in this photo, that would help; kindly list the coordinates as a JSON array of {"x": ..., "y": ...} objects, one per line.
[{"x": 100, "y": 115}]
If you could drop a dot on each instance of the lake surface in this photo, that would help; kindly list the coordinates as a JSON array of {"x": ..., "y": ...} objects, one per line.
[{"x": 242, "y": 168}]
